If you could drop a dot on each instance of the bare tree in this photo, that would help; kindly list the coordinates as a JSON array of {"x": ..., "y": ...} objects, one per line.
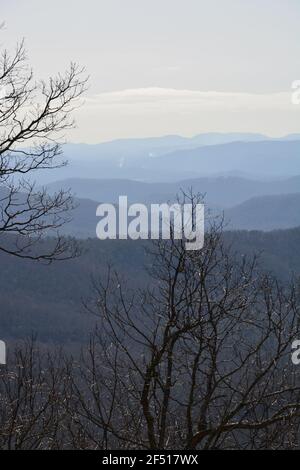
[
  {"x": 33, "y": 117},
  {"x": 198, "y": 360},
  {"x": 32, "y": 390}
]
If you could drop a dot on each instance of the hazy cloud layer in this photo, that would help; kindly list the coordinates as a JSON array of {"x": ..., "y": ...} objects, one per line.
[
  {"x": 157, "y": 111},
  {"x": 147, "y": 60}
]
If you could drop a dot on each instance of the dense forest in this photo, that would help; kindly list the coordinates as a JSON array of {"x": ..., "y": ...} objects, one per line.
[{"x": 47, "y": 300}]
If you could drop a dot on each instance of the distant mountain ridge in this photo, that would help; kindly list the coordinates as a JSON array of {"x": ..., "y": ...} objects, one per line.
[
  {"x": 273, "y": 158},
  {"x": 164, "y": 144},
  {"x": 172, "y": 158},
  {"x": 265, "y": 213},
  {"x": 220, "y": 191}
]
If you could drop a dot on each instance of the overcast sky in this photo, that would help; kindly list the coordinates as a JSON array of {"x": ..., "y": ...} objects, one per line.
[{"x": 168, "y": 66}]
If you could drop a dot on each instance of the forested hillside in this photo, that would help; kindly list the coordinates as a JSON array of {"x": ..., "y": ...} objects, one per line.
[{"x": 47, "y": 299}]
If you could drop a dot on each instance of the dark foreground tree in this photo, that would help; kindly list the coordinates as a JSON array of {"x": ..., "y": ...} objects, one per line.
[
  {"x": 199, "y": 360},
  {"x": 32, "y": 413},
  {"x": 33, "y": 117}
]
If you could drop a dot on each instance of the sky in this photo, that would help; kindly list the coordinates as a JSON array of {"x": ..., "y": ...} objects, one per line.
[{"x": 167, "y": 66}]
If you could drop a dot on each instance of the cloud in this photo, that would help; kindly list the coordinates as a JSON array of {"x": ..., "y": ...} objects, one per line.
[
  {"x": 172, "y": 99},
  {"x": 152, "y": 111}
]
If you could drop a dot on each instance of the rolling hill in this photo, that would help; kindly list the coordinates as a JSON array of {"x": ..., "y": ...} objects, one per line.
[
  {"x": 265, "y": 213},
  {"x": 47, "y": 300},
  {"x": 220, "y": 191}
]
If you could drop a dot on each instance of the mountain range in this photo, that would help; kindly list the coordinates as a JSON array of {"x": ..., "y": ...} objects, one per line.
[
  {"x": 173, "y": 158},
  {"x": 220, "y": 191},
  {"x": 253, "y": 178}
]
